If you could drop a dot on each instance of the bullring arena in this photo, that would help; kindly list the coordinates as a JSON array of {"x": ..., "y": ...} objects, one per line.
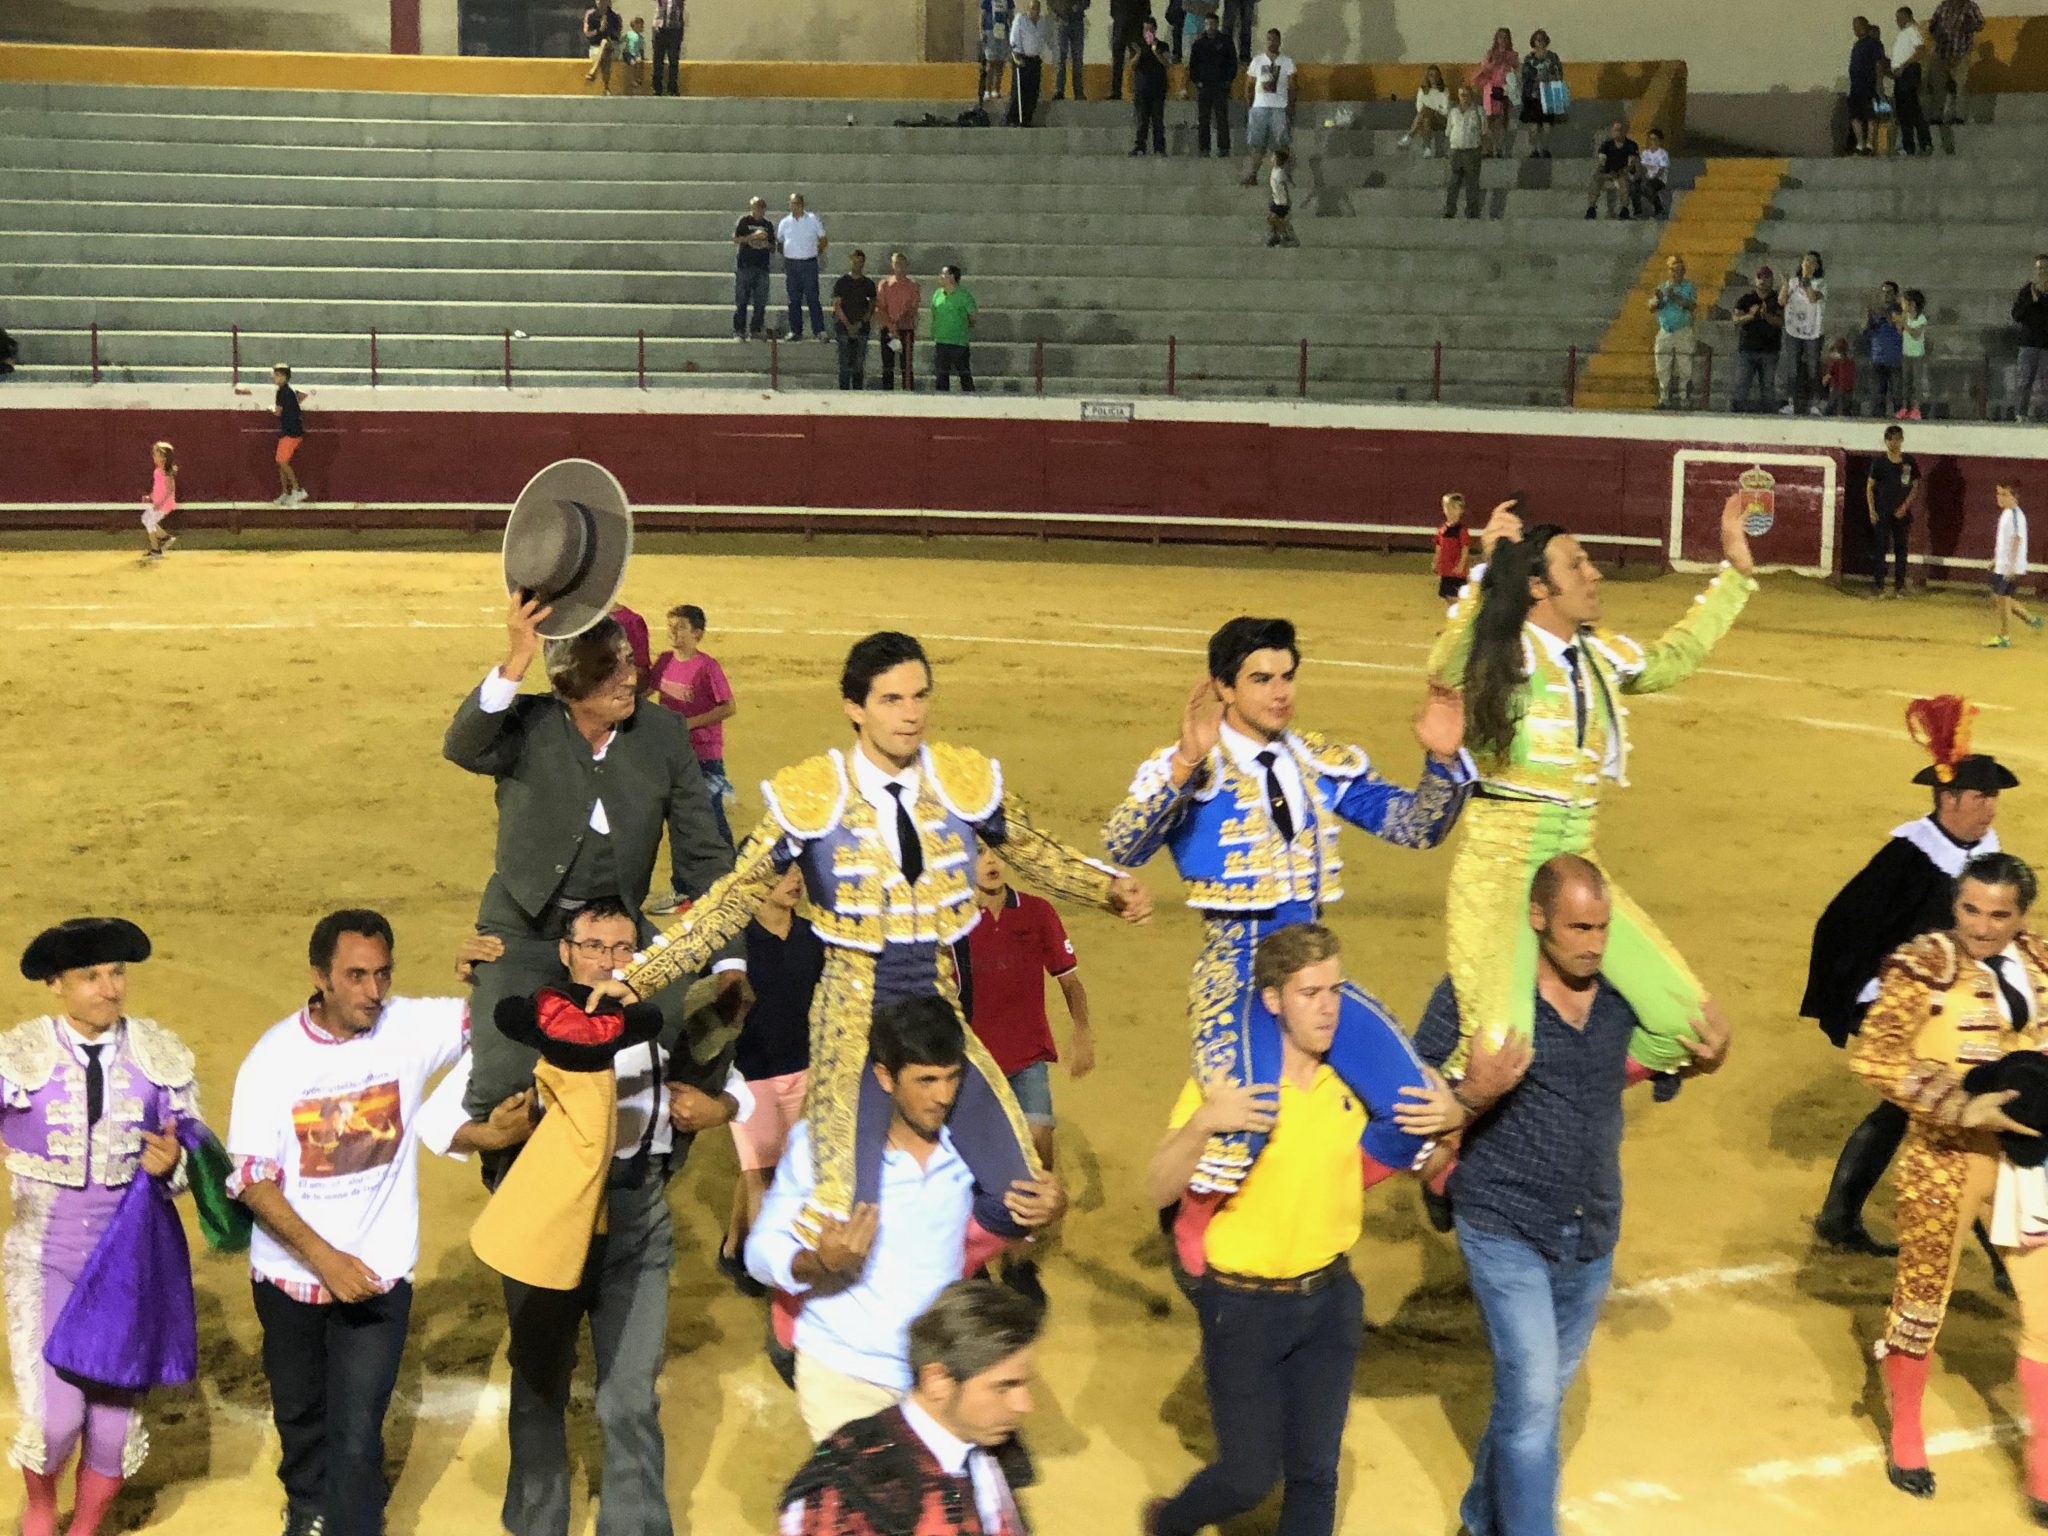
[{"x": 225, "y": 744}]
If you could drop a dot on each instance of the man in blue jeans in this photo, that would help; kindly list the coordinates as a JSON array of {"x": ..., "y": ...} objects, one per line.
[
  {"x": 801, "y": 239},
  {"x": 1537, "y": 1188}
]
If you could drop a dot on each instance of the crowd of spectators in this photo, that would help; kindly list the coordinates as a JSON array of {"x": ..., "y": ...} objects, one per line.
[{"x": 1922, "y": 73}]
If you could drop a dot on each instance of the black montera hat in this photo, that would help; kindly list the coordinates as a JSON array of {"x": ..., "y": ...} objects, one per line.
[{"x": 82, "y": 941}]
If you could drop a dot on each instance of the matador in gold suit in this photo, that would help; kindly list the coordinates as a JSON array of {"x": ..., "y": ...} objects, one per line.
[
  {"x": 1944, "y": 1010},
  {"x": 888, "y": 859}
]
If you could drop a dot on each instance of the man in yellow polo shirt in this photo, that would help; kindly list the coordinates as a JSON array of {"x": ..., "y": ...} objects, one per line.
[{"x": 1282, "y": 1318}]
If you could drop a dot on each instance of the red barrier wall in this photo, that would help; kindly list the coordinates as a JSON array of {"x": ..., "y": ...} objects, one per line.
[{"x": 1227, "y": 474}]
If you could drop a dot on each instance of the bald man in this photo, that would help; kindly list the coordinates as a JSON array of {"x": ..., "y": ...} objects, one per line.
[{"x": 1537, "y": 1189}]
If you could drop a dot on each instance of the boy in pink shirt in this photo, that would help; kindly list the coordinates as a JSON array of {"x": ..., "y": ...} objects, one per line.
[{"x": 690, "y": 682}]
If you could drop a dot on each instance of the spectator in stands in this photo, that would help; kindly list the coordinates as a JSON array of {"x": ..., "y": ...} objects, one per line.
[
  {"x": 633, "y": 49},
  {"x": 2030, "y": 314},
  {"x": 953, "y": 312},
  {"x": 1804, "y": 298},
  {"x": 1030, "y": 41},
  {"x": 1271, "y": 123},
  {"x": 1212, "y": 68},
  {"x": 1841, "y": 379},
  {"x": 1176, "y": 18},
  {"x": 1432, "y": 111},
  {"x": 1866, "y": 70},
  {"x": 1615, "y": 163},
  {"x": 668, "y": 46},
  {"x": 1196, "y": 16},
  {"x": 802, "y": 240},
  {"x": 896, "y": 304},
  {"x": 1674, "y": 303},
  {"x": 1238, "y": 20},
  {"x": 1499, "y": 73},
  {"x": 1650, "y": 191},
  {"x": 1070, "y": 39},
  {"x": 1913, "y": 356},
  {"x": 1759, "y": 338},
  {"x": 995, "y": 46},
  {"x": 1542, "y": 75},
  {"x": 1280, "y": 207},
  {"x": 1127, "y": 20},
  {"x": 601, "y": 29},
  {"x": 1463, "y": 132},
  {"x": 1909, "y": 53},
  {"x": 1148, "y": 91},
  {"x": 753, "y": 240},
  {"x": 1954, "y": 26},
  {"x": 1891, "y": 496},
  {"x": 1883, "y": 336},
  {"x": 853, "y": 309}
]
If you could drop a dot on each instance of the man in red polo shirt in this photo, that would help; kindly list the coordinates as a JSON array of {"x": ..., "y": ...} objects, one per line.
[{"x": 1009, "y": 953}]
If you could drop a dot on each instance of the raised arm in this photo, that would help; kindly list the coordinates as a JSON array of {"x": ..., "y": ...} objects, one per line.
[
  {"x": 1454, "y": 642},
  {"x": 1683, "y": 648},
  {"x": 688, "y": 945},
  {"x": 487, "y": 732},
  {"x": 1164, "y": 783}
]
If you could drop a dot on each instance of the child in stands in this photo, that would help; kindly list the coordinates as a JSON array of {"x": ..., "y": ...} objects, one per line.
[
  {"x": 1841, "y": 380},
  {"x": 633, "y": 49},
  {"x": 1913, "y": 356},
  {"x": 1653, "y": 178},
  {"x": 163, "y": 499},
  {"x": 1453, "y": 548},
  {"x": 1279, "y": 229}
]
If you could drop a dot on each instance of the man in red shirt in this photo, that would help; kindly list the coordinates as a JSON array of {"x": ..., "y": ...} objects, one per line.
[{"x": 1018, "y": 942}]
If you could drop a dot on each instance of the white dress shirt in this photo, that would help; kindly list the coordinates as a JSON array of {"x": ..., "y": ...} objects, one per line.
[
  {"x": 873, "y": 781},
  {"x": 495, "y": 696},
  {"x": 863, "y": 1330},
  {"x": 1028, "y": 39},
  {"x": 955, "y": 1456},
  {"x": 443, "y": 1115},
  {"x": 800, "y": 238},
  {"x": 1593, "y": 694},
  {"x": 1244, "y": 751}
]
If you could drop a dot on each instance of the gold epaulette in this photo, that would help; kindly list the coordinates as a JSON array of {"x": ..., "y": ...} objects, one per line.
[
  {"x": 1621, "y": 650},
  {"x": 807, "y": 798},
  {"x": 1930, "y": 959},
  {"x": 970, "y": 784},
  {"x": 1339, "y": 760}
]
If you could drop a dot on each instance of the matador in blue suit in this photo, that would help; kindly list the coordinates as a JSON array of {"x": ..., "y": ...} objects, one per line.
[{"x": 1250, "y": 810}]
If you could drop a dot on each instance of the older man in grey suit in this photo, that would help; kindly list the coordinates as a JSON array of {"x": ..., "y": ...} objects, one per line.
[{"x": 588, "y": 775}]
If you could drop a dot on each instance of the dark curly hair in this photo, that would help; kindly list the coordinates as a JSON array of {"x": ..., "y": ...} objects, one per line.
[{"x": 1493, "y": 669}]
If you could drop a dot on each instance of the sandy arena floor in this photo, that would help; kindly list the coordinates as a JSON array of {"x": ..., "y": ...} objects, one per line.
[{"x": 232, "y": 744}]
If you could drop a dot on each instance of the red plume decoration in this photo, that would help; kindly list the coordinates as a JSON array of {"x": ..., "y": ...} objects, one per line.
[{"x": 1942, "y": 726}]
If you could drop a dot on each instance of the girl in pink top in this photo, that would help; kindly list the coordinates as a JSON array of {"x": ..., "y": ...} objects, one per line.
[
  {"x": 163, "y": 499},
  {"x": 1490, "y": 85}
]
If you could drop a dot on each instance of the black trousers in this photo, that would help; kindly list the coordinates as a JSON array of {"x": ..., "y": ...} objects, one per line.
[
  {"x": 1914, "y": 137},
  {"x": 1126, "y": 34},
  {"x": 331, "y": 1371},
  {"x": 668, "y": 52},
  {"x": 951, "y": 358},
  {"x": 1026, "y": 73},
  {"x": 893, "y": 344},
  {"x": 1150, "y": 112},
  {"x": 1212, "y": 105},
  {"x": 1893, "y": 536},
  {"x": 1278, "y": 1369}
]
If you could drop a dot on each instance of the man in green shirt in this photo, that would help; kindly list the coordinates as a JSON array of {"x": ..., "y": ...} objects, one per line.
[{"x": 953, "y": 309}]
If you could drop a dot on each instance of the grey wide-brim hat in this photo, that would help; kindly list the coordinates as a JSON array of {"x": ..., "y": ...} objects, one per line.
[{"x": 567, "y": 542}]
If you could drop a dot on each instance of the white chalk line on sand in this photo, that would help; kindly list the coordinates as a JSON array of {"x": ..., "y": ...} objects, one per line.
[{"x": 1702, "y": 1280}]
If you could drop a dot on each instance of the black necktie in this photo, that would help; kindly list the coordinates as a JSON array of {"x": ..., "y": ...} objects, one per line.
[
  {"x": 2015, "y": 999},
  {"x": 95, "y": 1085},
  {"x": 910, "y": 852},
  {"x": 1283, "y": 818},
  {"x": 1571, "y": 661}
]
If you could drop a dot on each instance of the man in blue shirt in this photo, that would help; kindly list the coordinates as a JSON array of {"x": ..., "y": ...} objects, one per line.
[
  {"x": 1537, "y": 1188},
  {"x": 868, "y": 1277}
]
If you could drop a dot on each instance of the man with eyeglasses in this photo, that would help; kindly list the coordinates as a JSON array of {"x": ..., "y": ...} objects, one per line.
[
  {"x": 588, "y": 777},
  {"x": 663, "y": 1098}
]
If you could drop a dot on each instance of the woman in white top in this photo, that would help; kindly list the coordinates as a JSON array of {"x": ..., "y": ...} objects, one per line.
[
  {"x": 1432, "y": 111},
  {"x": 1805, "y": 299}
]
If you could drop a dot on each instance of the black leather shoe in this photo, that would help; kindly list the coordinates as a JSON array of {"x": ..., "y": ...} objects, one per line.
[
  {"x": 1021, "y": 1276},
  {"x": 1854, "y": 1238},
  {"x": 1438, "y": 1209},
  {"x": 1917, "y": 1481}
]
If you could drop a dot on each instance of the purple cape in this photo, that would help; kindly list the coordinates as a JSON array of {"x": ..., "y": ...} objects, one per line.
[{"x": 131, "y": 1323}]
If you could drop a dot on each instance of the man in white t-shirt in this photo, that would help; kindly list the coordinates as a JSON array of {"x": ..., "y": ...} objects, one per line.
[
  {"x": 324, "y": 1158},
  {"x": 802, "y": 240},
  {"x": 662, "y": 1101},
  {"x": 2008, "y": 566},
  {"x": 1271, "y": 124}
]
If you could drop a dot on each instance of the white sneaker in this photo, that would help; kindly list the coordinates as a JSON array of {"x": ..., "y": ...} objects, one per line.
[
  {"x": 1429, "y": 151},
  {"x": 170, "y": 542},
  {"x": 298, "y": 497},
  {"x": 283, "y": 499},
  {"x": 1405, "y": 140},
  {"x": 1817, "y": 410},
  {"x": 1785, "y": 409}
]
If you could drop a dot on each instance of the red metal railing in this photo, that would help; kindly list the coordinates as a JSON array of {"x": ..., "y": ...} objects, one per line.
[
  {"x": 235, "y": 355},
  {"x": 1172, "y": 360},
  {"x": 1301, "y": 374},
  {"x": 508, "y": 359},
  {"x": 1436, "y": 373},
  {"x": 373, "y": 357},
  {"x": 643, "y": 359}
]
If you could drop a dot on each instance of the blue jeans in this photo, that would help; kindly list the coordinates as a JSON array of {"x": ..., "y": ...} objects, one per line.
[
  {"x": 749, "y": 291},
  {"x": 1539, "y": 1317},
  {"x": 800, "y": 281},
  {"x": 718, "y": 786},
  {"x": 1278, "y": 1369}
]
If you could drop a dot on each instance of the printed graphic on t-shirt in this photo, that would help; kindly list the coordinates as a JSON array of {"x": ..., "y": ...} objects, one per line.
[{"x": 350, "y": 1132}]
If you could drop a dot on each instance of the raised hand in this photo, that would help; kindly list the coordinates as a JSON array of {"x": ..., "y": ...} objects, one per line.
[
  {"x": 523, "y": 617},
  {"x": 1505, "y": 522},
  {"x": 1201, "y": 727},
  {"x": 1734, "y": 541}
]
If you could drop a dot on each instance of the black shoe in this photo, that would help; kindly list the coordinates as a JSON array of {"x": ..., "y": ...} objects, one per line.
[
  {"x": 1852, "y": 1237},
  {"x": 2000, "y": 1280},
  {"x": 2037, "y": 1510},
  {"x": 734, "y": 1268},
  {"x": 1438, "y": 1208},
  {"x": 1021, "y": 1276},
  {"x": 1917, "y": 1481},
  {"x": 300, "y": 1522}
]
